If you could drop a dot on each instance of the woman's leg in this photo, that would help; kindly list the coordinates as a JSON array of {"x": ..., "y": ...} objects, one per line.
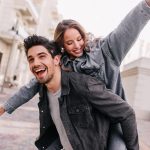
[{"x": 115, "y": 141}]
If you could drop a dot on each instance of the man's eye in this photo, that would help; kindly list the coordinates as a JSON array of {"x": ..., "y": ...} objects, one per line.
[
  {"x": 30, "y": 60},
  {"x": 42, "y": 56}
]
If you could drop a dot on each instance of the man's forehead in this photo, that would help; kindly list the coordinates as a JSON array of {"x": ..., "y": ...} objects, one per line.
[{"x": 36, "y": 50}]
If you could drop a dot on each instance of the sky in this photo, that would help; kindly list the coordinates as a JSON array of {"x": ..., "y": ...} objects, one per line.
[{"x": 98, "y": 16}]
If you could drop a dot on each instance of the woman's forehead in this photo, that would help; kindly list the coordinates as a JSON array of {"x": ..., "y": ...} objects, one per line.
[{"x": 71, "y": 32}]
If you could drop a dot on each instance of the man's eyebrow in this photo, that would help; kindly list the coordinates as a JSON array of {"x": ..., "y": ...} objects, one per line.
[
  {"x": 38, "y": 54},
  {"x": 42, "y": 53}
]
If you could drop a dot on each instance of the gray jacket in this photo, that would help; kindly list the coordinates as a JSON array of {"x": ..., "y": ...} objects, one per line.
[{"x": 103, "y": 60}]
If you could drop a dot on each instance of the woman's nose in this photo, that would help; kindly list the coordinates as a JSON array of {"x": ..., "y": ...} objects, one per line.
[{"x": 76, "y": 44}]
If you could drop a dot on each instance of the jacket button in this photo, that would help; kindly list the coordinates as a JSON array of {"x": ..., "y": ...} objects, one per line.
[
  {"x": 77, "y": 110},
  {"x": 43, "y": 127},
  {"x": 43, "y": 147},
  {"x": 41, "y": 110}
]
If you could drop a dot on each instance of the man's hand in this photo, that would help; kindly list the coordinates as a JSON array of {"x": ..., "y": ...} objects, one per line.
[
  {"x": 148, "y": 2},
  {"x": 2, "y": 110}
]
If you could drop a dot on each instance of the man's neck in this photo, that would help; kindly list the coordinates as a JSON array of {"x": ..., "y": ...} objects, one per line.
[{"x": 55, "y": 84}]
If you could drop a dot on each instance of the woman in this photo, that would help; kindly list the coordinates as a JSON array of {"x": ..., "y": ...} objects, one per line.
[{"x": 99, "y": 57}]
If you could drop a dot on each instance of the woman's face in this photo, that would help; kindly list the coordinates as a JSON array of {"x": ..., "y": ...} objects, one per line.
[{"x": 73, "y": 43}]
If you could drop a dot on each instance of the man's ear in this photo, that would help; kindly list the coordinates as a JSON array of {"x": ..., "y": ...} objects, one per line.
[{"x": 57, "y": 59}]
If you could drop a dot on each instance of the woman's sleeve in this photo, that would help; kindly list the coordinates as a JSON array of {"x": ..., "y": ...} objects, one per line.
[
  {"x": 117, "y": 43},
  {"x": 22, "y": 96}
]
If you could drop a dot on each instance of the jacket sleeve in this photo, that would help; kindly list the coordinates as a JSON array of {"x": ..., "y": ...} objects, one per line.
[
  {"x": 24, "y": 94},
  {"x": 115, "y": 108},
  {"x": 117, "y": 43}
]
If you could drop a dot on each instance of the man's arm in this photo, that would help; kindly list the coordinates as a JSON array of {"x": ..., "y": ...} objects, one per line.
[
  {"x": 24, "y": 94},
  {"x": 115, "y": 108}
]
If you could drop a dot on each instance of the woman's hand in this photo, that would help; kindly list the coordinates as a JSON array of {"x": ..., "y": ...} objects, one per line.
[
  {"x": 148, "y": 2},
  {"x": 2, "y": 110}
]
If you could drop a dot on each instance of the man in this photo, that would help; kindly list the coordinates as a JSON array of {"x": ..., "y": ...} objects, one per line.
[{"x": 70, "y": 104}]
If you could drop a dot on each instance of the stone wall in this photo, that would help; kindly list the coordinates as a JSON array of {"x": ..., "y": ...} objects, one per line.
[{"x": 136, "y": 81}]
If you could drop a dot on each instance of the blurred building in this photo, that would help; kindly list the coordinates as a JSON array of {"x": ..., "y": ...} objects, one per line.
[
  {"x": 48, "y": 19},
  {"x": 18, "y": 19},
  {"x": 136, "y": 78}
]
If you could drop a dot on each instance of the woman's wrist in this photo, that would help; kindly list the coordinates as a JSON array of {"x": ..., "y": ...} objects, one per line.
[{"x": 2, "y": 110}]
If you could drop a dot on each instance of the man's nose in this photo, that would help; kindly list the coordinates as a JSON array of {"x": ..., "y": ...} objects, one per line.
[{"x": 36, "y": 62}]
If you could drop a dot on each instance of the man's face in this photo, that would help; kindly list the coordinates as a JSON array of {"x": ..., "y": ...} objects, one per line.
[{"x": 41, "y": 63}]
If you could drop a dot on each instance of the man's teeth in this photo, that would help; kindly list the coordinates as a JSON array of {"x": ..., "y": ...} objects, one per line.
[{"x": 38, "y": 70}]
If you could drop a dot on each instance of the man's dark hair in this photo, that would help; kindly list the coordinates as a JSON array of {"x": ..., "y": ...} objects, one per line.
[{"x": 35, "y": 40}]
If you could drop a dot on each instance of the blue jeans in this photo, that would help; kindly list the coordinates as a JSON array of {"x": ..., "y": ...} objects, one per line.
[{"x": 115, "y": 141}]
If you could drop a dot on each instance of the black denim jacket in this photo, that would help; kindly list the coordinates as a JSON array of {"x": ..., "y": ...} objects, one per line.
[{"x": 86, "y": 107}]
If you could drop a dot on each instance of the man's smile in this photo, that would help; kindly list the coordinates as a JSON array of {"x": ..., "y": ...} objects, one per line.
[{"x": 40, "y": 72}]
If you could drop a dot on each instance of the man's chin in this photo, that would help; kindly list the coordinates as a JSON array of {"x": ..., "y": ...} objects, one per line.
[{"x": 42, "y": 81}]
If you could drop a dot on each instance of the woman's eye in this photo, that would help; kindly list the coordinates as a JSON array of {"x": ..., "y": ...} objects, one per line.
[
  {"x": 69, "y": 43},
  {"x": 79, "y": 39}
]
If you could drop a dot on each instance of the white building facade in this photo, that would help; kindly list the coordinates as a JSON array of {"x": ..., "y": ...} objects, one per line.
[
  {"x": 136, "y": 76},
  {"x": 19, "y": 19}
]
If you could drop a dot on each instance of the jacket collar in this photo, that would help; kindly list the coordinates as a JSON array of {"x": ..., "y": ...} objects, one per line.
[
  {"x": 65, "y": 87},
  {"x": 43, "y": 90}
]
